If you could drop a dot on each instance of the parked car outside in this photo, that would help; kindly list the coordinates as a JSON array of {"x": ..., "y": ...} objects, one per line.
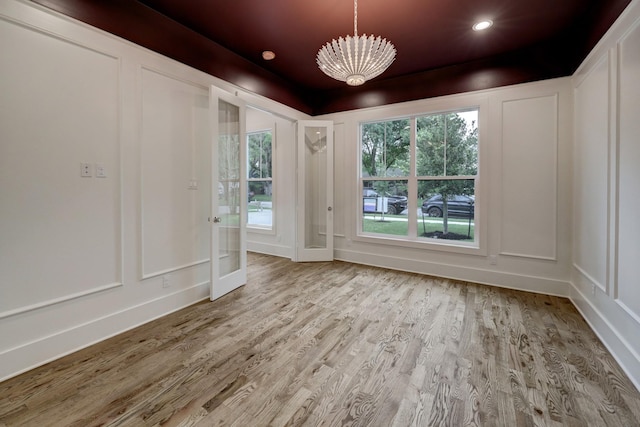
[
  {"x": 458, "y": 206},
  {"x": 395, "y": 204}
]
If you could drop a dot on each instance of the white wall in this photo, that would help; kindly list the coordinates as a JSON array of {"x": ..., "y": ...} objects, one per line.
[
  {"x": 280, "y": 240},
  {"x": 605, "y": 280},
  {"x": 85, "y": 258},
  {"x": 523, "y": 201},
  {"x": 52, "y": 219},
  {"x": 175, "y": 162}
]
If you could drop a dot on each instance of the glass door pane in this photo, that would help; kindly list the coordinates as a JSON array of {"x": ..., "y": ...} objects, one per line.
[
  {"x": 228, "y": 207},
  {"x": 229, "y": 185},
  {"x": 315, "y": 191},
  {"x": 315, "y": 180}
]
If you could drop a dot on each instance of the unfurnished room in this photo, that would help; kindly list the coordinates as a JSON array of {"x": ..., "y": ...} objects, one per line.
[{"x": 305, "y": 213}]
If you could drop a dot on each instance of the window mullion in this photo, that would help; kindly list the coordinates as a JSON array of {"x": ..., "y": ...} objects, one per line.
[{"x": 412, "y": 185}]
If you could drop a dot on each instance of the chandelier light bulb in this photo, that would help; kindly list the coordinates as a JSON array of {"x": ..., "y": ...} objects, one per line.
[{"x": 482, "y": 25}]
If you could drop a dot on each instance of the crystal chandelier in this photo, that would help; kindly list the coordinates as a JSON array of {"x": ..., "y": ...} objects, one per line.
[{"x": 356, "y": 59}]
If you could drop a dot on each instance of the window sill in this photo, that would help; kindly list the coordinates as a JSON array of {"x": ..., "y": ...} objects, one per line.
[
  {"x": 260, "y": 230},
  {"x": 452, "y": 246}
]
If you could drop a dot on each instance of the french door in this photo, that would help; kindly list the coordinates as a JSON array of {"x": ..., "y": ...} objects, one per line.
[
  {"x": 314, "y": 223},
  {"x": 228, "y": 193}
]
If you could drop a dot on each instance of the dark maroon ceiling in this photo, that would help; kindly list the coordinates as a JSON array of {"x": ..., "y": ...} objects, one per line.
[{"x": 438, "y": 53}]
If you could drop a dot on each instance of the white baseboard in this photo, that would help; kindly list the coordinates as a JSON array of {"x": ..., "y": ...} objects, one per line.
[
  {"x": 270, "y": 249},
  {"x": 618, "y": 346},
  {"x": 25, "y": 357},
  {"x": 28, "y": 356},
  {"x": 519, "y": 282}
]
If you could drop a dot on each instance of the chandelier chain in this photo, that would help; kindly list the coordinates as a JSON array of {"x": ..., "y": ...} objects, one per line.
[{"x": 355, "y": 18}]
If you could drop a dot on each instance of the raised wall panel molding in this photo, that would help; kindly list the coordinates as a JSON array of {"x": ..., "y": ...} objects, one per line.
[
  {"x": 173, "y": 269},
  {"x": 590, "y": 279},
  {"x": 62, "y": 234},
  {"x": 59, "y": 300},
  {"x": 592, "y": 207},
  {"x": 173, "y": 121},
  {"x": 613, "y": 181},
  {"x": 634, "y": 315},
  {"x": 529, "y": 206},
  {"x": 525, "y": 255},
  {"x": 627, "y": 173}
]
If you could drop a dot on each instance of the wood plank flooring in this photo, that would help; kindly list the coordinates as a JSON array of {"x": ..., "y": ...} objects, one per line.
[{"x": 339, "y": 344}]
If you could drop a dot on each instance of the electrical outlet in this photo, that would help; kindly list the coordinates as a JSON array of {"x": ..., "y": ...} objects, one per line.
[
  {"x": 86, "y": 170},
  {"x": 165, "y": 282},
  {"x": 493, "y": 259},
  {"x": 593, "y": 289}
]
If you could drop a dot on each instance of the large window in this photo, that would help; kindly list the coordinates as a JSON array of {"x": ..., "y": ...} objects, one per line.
[
  {"x": 418, "y": 177},
  {"x": 260, "y": 180}
]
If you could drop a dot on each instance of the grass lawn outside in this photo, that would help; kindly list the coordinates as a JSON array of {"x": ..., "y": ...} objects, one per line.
[{"x": 397, "y": 225}]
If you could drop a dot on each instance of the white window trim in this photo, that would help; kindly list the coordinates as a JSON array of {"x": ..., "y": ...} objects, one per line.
[
  {"x": 479, "y": 246},
  {"x": 255, "y": 228}
]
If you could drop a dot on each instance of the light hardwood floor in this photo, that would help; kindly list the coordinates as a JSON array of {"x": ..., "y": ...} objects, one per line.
[{"x": 339, "y": 344}]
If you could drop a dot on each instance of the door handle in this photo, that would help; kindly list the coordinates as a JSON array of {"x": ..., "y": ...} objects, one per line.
[
  {"x": 329, "y": 208},
  {"x": 215, "y": 219}
]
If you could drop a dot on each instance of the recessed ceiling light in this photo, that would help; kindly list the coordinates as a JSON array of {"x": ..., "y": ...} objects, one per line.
[
  {"x": 267, "y": 55},
  {"x": 482, "y": 25}
]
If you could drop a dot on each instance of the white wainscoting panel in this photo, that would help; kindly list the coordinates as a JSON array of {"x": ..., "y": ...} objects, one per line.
[
  {"x": 59, "y": 107},
  {"x": 591, "y": 172},
  {"x": 529, "y": 180},
  {"x": 175, "y": 166},
  {"x": 628, "y": 289}
]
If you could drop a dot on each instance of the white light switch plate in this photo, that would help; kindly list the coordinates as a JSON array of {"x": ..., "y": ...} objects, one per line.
[{"x": 101, "y": 172}]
